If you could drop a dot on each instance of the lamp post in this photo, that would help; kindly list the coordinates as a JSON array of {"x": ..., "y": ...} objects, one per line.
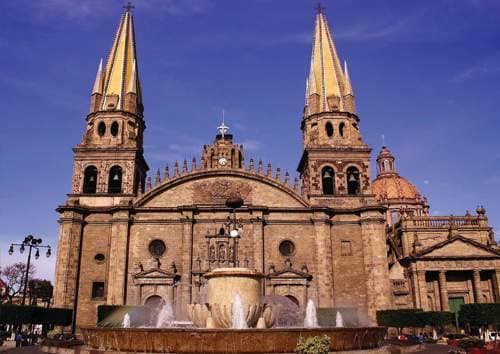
[
  {"x": 234, "y": 225},
  {"x": 31, "y": 242}
]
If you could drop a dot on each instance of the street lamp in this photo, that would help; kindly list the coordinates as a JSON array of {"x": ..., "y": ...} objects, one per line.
[
  {"x": 234, "y": 225},
  {"x": 31, "y": 242}
]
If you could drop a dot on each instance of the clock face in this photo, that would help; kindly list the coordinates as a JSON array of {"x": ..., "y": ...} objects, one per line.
[{"x": 222, "y": 161}]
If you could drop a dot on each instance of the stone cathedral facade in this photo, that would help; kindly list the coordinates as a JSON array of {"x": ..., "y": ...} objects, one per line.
[{"x": 332, "y": 234}]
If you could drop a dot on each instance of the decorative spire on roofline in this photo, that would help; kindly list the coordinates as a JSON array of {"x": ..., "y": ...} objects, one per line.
[{"x": 328, "y": 87}]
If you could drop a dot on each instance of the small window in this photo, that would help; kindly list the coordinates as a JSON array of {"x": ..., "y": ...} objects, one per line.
[
  {"x": 345, "y": 248},
  {"x": 115, "y": 180},
  {"x": 341, "y": 129},
  {"x": 157, "y": 248},
  {"x": 329, "y": 129},
  {"x": 353, "y": 186},
  {"x": 328, "y": 180},
  {"x": 98, "y": 290},
  {"x": 287, "y": 248},
  {"x": 90, "y": 180},
  {"x": 101, "y": 129},
  {"x": 99, "y": 258},
  {"x": 114, "y": 128}
]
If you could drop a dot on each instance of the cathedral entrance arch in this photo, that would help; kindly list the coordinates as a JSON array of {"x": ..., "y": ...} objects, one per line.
[{"x": 293, "y": 299}]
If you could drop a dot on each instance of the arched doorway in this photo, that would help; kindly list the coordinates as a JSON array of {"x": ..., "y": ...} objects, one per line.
[
  {"x": 154, "y": 302},
  {"x": 293, "y": 299}
]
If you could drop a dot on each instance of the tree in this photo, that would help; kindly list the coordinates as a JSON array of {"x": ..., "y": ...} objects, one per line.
[
  {"x": 13, "y": 277},
  {"x": 399, "y": 318},
  {"x": 436, "y": 319},
  {"x": 40, "y": 290},
  {"x": 480, "y": 315}
]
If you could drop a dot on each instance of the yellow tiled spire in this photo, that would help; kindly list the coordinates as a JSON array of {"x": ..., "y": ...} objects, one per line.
[
  {"x": 326, "y": 78},
  {"x": 121, "y": 75}
]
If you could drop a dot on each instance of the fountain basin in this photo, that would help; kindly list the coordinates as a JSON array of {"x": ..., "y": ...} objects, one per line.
[{"x": 199, "y": 340}]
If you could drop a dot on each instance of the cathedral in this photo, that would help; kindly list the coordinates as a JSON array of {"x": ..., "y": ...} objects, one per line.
[{"x": 333, "y": 234}]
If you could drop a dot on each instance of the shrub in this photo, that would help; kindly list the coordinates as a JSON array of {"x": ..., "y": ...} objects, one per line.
[
  {"x": 313, "y": 345},
  {"x": 468, "y": 343},
  {"x": 478, "y": 315},
  {"x": 400, "y": 318},
  {"x": 16, "y": 315}
]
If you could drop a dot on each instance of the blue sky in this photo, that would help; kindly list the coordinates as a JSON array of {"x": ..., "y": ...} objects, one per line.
[{"x": 425, "y": 74}]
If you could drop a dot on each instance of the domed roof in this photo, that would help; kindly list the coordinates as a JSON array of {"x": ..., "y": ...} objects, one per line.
[
  {"x": 389, "y": 184},
  {"x": 393, "y": 186}
]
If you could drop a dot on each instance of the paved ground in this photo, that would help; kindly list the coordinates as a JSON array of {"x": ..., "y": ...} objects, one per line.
[{"x": 10, "y": 348}]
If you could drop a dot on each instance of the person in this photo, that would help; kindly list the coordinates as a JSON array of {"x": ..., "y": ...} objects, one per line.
[
  {"x": 420, "y": 338},
  {"x": 19, "y": 340}
]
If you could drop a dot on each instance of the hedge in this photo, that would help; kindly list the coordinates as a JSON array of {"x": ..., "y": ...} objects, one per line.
[
  {"x": 435, "y": 318},
  {"x": 478, "y": 315},
  {"x": 16, "y": 314},
  {"x": 112, "y": 315},
  {"x": 399, "y": 318}
]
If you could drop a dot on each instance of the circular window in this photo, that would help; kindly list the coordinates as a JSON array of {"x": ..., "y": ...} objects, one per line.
[
  {"x": 157, "y": 248},
  {"x": 99, "y": 258},
  {"x": 101, "y": 129},
  {"x": 287, "y": 248}
]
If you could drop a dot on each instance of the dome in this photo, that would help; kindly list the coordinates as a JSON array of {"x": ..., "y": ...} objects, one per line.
[
  {"x": 389, "y": 184},
  {"x": 393, "y": 186}
]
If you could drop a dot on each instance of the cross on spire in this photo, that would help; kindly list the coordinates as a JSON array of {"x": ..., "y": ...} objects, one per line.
[
  {"x": 319, "y": 8},
  {"x": 128, "y": 7},
  {"x": 223, "y": 128}
]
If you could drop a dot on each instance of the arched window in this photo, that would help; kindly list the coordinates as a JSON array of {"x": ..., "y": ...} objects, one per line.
[
  {"x": 329, "y": 129},
  {"x": 90, "y": 180},
  {"x": 341, "y": 129},
  {"x": 101, "y": 129},
  {"x": 353, "y": 181},
  {"x": 328, "y": 180},
  {"x": 115, "y": 180},
  {"x": 114, "y": 128}
]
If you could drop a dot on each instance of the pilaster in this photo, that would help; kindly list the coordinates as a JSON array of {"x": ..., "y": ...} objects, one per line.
[
  {"x": 324, "y": 272},
  {"x": 258, "y": 243},
  {"x": 422, "y": 289},
  {"x": 118, "y": 256},
  {"x": 187, "y": 256},
  {"x": 476, "y": 280}
]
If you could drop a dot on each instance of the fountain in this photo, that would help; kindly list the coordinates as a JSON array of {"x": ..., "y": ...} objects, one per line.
[
  {"x": 234, "y": 319},
  {"x": 311, "y": 318},
  {"x": 339, "y": 321},
  {"x": 126, "y": 321}
]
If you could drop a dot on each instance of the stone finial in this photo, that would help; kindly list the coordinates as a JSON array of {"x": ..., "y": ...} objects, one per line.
[
  {"x": 491, "y": 238},
  {"x": 277, "y": 176},
  {"x": 296, "y": 184},
  {"x": 272, "y": 269},
  {"x": 176, "y": 169},
  {"x": 287, "y": 179},
  {"x": 141, "y": 267},
  {"x": 467, "y": 213},
  {"x": 288, "y": 263},
  {"x": 184, "y": 167},
  {"x": 173, "y": 268},
  {"x": 260, "y": 168},
  {"x": 166, "y": 175},
  {"x": 158, "y": 177},
  {"x": 149, "y": 184},
  {"x": 417, "y": 245},
  {"x": 304, "y": 268},
  {"x": 251, "y": 167},
  {"x": 193, "y": 164},
  {"x": 269, "y": 171},
  {"x": 158, "y": 263}
]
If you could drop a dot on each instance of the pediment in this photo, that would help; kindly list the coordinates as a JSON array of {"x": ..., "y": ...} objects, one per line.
[
  {"x": 155, "y": 273},
  {"x": 290, "y": 274},
  {"x": 458, "y": 247}
]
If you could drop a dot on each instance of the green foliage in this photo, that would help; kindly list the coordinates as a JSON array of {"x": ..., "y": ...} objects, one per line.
[
  {"x": 16, "y": 314},
  {"x": 478, "y": 315},
  {"x": 313, "y": 345},
  {"x": 112, "y": 315},
  {"x": 435, "y": 318},
  {"x": 399, "y": 318}
]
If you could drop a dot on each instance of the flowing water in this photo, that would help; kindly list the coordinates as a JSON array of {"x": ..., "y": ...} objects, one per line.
[
  {"x": 126, "y": 321},
  {"x": 165, "y": 316},
  {"x": 238, "y": 318},
  {"x": 311, "y": 319},
  {"x": 339, "y": 321}
]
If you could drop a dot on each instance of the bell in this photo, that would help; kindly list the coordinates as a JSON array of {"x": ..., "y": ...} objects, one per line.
[
  {"x": 11, "y": 250},
  {"x": 37, "y": 254},
  {"x": 327, "y": 174},
  {"x": 21, "y": 249},
  {"x": 116, "y": 177},
  {"x": 91, "y": 179},
  {"x": 48, "y": 253},
  {"x": 352, "y": 178}
]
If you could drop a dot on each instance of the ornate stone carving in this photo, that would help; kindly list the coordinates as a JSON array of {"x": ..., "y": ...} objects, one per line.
[{"x": 218, "y": 191}]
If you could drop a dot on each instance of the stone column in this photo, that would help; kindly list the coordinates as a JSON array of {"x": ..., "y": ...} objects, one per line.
[
  {"x": 443, "y": 291},
  {"x": 414, "y": 289},
  {"x": 68, "y": 257},
  {"x": 476, "y": 280},
  {"x": 118, "y": 259},
  {"x": 378, "y": 289},
  {"x": 496, "y": 285},
  {"x": 422, "y": 289},
  {"x": 258, "y": 242},
  {"x": 324, "y": 272},
  {"x": 187, "y": 257}
]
